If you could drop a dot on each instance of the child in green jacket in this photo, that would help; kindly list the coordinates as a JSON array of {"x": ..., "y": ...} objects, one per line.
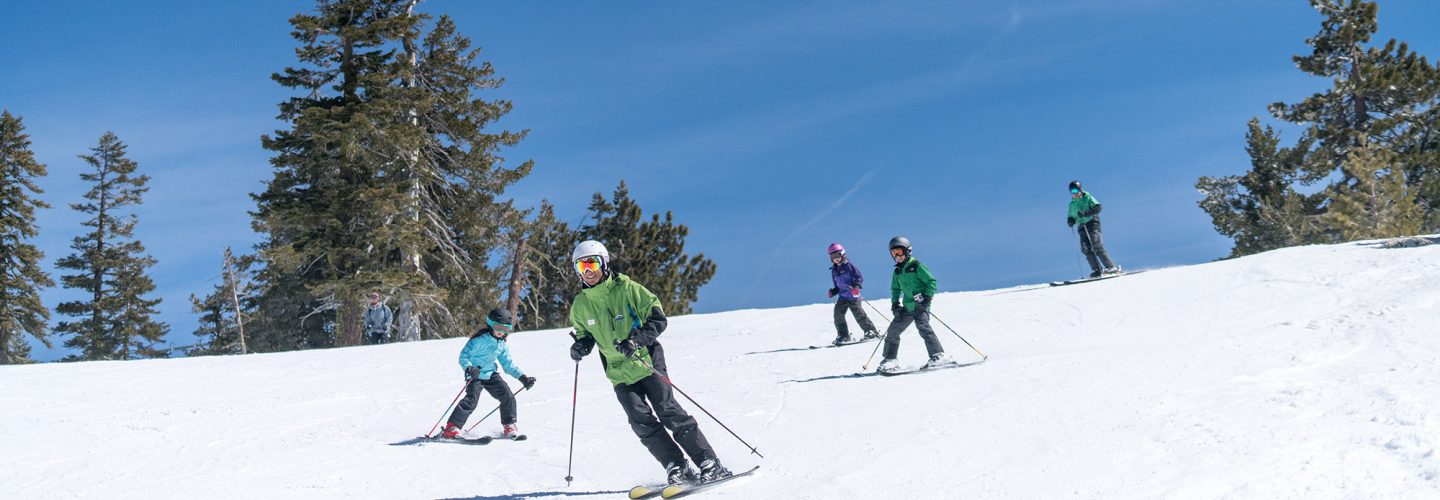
[{"x": 911, "y": 289}]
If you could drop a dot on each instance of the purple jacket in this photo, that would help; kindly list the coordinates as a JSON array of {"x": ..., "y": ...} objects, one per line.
[{"x": 846, "y": 276}]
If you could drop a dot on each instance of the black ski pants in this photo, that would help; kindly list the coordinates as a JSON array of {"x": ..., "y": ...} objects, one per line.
[
  {"x": 651, "y": 430},
  {"x": 841, "y": 328},
  {"x": 497, "y": 388},
  {"x": 1093, "y": 246},
  {"x": 921, "y": 318}
]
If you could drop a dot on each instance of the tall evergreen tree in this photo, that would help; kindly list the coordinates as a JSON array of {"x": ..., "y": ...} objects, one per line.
[
  {"x": 387, "y": 179},
  {"x": 115, "y": 321},
  {"x": 548, "y": 282},
  {"x": 21, "y": 278},
  {"x": 652, "y": 252},
  {"x": 1382, "y": 98}
]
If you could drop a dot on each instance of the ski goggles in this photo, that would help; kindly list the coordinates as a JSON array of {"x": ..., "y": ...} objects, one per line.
[
  {"x": 500, "y": 328},
  {"x": 591, "y": 263},
  {"x": 897, "y": 252},
  {"x": 1074, "y": 191}
]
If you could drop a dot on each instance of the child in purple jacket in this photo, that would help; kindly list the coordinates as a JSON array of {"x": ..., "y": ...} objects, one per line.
[{"x": 847, "y": 280}]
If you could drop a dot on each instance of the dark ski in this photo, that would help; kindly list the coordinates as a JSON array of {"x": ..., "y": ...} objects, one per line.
[
  {"x": 861, "y": 341},
  {"x": 921, "y": 368},
  {"x": 1087, "y": 280},
  {"x": 680, "y": 490}
]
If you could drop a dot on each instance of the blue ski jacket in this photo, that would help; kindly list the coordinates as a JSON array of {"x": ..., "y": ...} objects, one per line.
[
  {"x": 484, "y": 350},
  {"x": 846, "y": 276}
]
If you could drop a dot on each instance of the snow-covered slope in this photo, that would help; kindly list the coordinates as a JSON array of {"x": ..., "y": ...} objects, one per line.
[{"x": 1303, "y": 373}]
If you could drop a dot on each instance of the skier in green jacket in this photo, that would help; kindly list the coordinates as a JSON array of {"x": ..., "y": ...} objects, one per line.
[
  {"x": 625, "y": 320},
  {"x": 912, "y": 287},
  {"x": 1085, "y": 210}
]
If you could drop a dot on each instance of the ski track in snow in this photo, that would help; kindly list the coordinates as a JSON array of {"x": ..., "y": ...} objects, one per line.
[{"x": 1308, "y": 372}]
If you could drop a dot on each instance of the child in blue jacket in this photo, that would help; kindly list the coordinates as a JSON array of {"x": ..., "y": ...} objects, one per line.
[
  {"x": 478, "y": 359},
  {"x": 847, "y": 280}
]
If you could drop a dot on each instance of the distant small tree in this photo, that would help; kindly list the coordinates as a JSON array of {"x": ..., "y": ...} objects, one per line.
[
  {"x": 115, "y": 321},
  {"x": 1379, "y": 203},
  {"x": 21, "y": 278},
  {"x": 652, "y": 252},
  {"x": 225, "y": 310}
]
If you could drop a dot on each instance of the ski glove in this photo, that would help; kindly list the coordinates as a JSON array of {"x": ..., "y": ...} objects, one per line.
[
  {"x": 922, "y": 303},
  {"x": 627, "y": 347},
  {"x": 855, "y": 292},
  {"x": 527, "y": 381},
  {"x": 832, "y": 292},
  {"x": 895, "y": 308},
  {"x": 581, "y": 348},
  {"x": 1070, "y": 221},
  {"x": 472, "y": 372}
]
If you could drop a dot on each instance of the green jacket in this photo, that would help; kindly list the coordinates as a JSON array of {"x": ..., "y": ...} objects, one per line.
[
  {"x": 1085, "y": 203},
  {"x": 606, "y": 313},
  {"x": 911, "y": 277}
]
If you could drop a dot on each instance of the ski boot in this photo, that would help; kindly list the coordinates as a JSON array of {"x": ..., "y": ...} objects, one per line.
[
  {"x": 1113, "y": 270},
  {"x": 509, "y": 431},
  {"x": 451, "y": 431},
  {"x": 842, "y": 340},
  {"x": 711, "y": 470},
  {"x": 888, "y": 365},
  {"x": 1095, "y": 274},
  {"x": 872, "y": 334},
  {"x": 939, "y": 359},
  {"x": 680, "y": 473}
]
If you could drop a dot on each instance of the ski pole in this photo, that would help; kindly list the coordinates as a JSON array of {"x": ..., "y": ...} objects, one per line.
[
  {"x": 492, "y": 412},
  {"x": 697, "y": 405},
  {"x": 574, "y": 400},
  {"x": 447, "y": 410},
  {"x": 957, "y": 334},
  {"x": 877, "y": 344}
]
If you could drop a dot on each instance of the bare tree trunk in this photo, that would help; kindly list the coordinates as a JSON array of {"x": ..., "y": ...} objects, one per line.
[
  {"x": 233, "y": 282},
  {"x": 517, "y": 278},
  {"x": 348, "y": 319}
]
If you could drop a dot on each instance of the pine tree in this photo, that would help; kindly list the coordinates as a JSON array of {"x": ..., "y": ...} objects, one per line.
[
  {"x": 225, "y": 310},
  {"x": 21, "y": 278},
  {"x": 549, "y": 281},
  {"x": 1382, "y": 98},
  {"x": 116, "y": 320},
  {"x": 385, "y": 180},
  {"x": 1379, "y": 204},
  {"x": 652, "y": 252},
  {"x": 1261, "y": 210}
]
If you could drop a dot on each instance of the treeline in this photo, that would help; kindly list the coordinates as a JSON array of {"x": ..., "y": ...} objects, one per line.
[
  {"x": 391, "y": 178},
  {"x": 1367, "y": 162}
]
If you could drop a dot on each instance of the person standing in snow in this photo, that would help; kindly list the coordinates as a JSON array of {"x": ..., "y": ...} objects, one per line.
[
  {"x": 625, "y": 320},
  {"x": 911, "y": 290},
  {"x": 377, "y": 321},
  {"x": 847, "y": 280},
  {"x": 478, "y": 359},
  {"x": 1085, "y": 210}
]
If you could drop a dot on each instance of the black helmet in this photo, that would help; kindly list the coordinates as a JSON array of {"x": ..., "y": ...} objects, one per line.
[
  {"x": 501, "y": 316},
  {"x": 900, "y": 242},
  {"x": 1075, "y": 186}
]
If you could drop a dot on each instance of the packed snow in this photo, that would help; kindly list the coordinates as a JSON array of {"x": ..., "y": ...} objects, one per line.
[{"x": 1308, "y": 372}]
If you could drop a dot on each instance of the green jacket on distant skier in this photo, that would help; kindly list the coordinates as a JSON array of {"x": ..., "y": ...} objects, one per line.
[
  {"x": 911, "y": 277},
  {"x": 1084, "y": 209},
  {"x": 607, "y": 313}
]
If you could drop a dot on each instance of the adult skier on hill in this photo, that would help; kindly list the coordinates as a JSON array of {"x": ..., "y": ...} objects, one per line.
[
  {"x": 911, "y": 290},
  {"x": 478, "y": 359},
  {"x": 625, "y": 320},
  {"x": 847, "y": 280},
  {"x": 1085, "y": 210}
]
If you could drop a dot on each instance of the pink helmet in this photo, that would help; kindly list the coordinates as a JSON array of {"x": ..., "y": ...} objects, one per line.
[{"x": 836, "y": 247}]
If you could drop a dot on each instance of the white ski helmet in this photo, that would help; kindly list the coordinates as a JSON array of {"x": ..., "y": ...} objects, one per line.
[{"x": 589, "y": 248}]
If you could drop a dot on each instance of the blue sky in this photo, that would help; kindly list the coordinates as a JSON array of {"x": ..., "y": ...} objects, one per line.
[{"x": 770, "y": 128}]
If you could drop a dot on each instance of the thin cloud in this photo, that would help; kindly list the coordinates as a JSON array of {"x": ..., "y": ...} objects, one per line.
[{"x": 803, "y": 227}]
